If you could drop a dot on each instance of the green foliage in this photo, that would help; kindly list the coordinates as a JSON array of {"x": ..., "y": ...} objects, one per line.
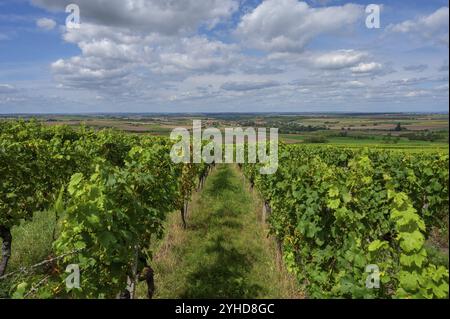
[
  {"x": 417, "y": 277},
  {"x": 337, "y": 211},
  {"x": 334, "y": 210},
  {"x": 110, "y": 192}
]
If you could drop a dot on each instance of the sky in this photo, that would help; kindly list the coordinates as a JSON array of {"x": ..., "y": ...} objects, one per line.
[{"x": 223, "y": 56}]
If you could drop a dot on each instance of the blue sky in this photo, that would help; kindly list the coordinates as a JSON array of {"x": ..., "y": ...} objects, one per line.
[{"x": 223, "y": 55}]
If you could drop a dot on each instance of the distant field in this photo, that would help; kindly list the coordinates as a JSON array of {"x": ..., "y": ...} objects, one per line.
[
  {"x": 387, "y": 131},
  {"x": 375, "y": 141}
]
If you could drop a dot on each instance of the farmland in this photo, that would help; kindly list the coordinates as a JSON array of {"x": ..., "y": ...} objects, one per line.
[{"x": 410, "y": 131}]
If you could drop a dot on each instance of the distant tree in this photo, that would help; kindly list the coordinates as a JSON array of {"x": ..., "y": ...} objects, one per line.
[
  {"x": 398, "y": 128},
  {"x": 316, "y": 139}
]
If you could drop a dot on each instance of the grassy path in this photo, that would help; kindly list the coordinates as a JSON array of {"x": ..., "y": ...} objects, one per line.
[{"x": 225, "y": 252}]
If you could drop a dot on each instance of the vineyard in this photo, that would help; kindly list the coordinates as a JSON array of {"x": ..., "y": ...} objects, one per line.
[
  {"x": 336, "y": 211},
  {"x": 332, "y": 211},
  {"x": 110, "y": 194}
]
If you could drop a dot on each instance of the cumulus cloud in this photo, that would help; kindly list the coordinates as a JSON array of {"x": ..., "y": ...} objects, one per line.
[
  {"x": 129, "y": 47},
  {"x": 152, "y": 52},
  {"x": 45, "y": 23},
  {"x": 159, "y": 16},
  {"x": 289, "y": 25},
  {"x": 198, "y": 54},
  {"x": 370, "y": 67},
  {"x": 340, "y": 59},
  {"x": 115, "y": 57},
  {"x": 434, "y": 26},
  {"x": 88, "y": 73}
]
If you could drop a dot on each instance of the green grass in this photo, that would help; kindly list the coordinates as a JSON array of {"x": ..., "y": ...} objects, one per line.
[
  {"x": 31, "y": 244},
  {"x": 224, "y": 253},
  {"x": 32, "y": 240},
  {"x": 373, "y": 142}
]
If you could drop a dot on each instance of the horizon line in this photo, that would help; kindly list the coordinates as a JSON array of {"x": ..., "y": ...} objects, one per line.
[{"x": 221, "y": 113}]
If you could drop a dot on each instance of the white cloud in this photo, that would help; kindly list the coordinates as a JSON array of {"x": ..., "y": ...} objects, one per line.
[
  {"x": 147, "y": 54},
  {"x": 340, "y": 59},
  {"x": 159, "y": 16},
  {"x": 289, "y": 25},
  {"x": 113, "y": 57},
  {"x": 434, "y": 26},
  {"x": 197, "y": 54},
  {"x": 45, "y": 23},
  {"x": 367, "y": 67}
]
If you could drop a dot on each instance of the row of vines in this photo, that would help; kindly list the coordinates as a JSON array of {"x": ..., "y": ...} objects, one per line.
[
  {"x": 336, "y": 211},
  {"x": 110, "y": 193}
]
